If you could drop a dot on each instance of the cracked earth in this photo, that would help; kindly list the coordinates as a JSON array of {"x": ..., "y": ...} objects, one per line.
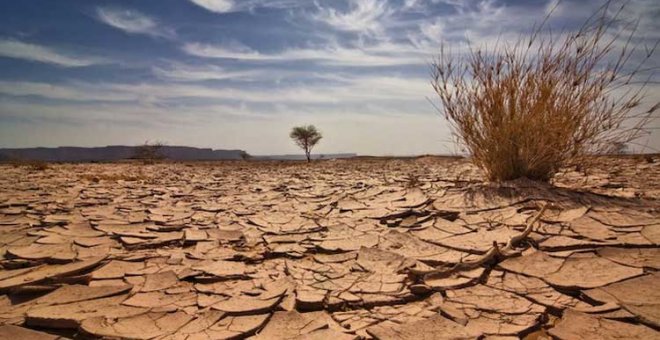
[{"x": 346, "y": 249}]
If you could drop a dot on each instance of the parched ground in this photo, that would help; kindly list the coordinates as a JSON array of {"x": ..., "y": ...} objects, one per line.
[{"x": 347, "y": 249}]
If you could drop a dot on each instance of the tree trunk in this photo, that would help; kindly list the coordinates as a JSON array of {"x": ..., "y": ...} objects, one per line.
[{"x": 308, "y": 151}]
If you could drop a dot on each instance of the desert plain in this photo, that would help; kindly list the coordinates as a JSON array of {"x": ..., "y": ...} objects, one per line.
[{"x": 365, "y": 248}]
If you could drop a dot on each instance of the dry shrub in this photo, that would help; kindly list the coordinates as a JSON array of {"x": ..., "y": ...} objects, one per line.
[
  {"x": 546, "y": 101},
  {"x": 149, "y": 153}
]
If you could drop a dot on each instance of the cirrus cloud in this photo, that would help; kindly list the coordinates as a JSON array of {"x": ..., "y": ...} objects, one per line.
[
  {"x": 131, "y": 21},
  {"x": 32, "y": 52},
  {"x": 217, "y": 6}
]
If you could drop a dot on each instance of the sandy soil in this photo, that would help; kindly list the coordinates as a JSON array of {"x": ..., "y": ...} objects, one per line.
[{"x": 346, "y": 249}]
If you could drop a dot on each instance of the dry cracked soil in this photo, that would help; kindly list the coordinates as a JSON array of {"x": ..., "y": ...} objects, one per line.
[{"x": 340, "y": 249}]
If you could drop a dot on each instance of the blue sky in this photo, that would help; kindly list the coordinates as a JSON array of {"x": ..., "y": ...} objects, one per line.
[{"x": 240, "y": 73}]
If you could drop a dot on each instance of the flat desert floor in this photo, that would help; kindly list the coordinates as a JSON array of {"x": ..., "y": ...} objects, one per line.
[{"x": 340, "y": 249}]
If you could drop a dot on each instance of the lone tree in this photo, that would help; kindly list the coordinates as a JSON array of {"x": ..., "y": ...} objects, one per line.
[
  {"x": 528, "y": 108},
  {"x": 306, "y": 138}
]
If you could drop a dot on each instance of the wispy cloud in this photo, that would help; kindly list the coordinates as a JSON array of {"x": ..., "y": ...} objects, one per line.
[
  {"x": 363, "y": 16},
  {"x": 382, "y": 54},
  {"x": 184, "y": 72},
  {"x": 478, "y": 21},
  {"x": 334, "y": 89},
  {"x": 217, "y": 6},
  {"x": 59, "y": 91},
  {"x": 389, "y": 33},
  {"x": 226, "y": 6},
  {"x": 21, "y": 50},
  {"x": 131, "y": 21},
  {"x": 231, "y": 51}
]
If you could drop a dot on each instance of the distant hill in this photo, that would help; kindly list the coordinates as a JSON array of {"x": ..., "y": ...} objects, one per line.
[
  {"x": 300, "y": 157},
  {"x": 115, "y": 153}
]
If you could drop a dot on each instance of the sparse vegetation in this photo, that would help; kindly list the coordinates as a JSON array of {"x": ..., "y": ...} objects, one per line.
[
  {"x": 149, "y": 152},
  {"x": 546, "y": 101},
  {"x": 306, "y": 137}
]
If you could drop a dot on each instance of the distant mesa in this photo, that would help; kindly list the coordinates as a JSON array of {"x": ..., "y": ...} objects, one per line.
[
  {"x": 121, "y": 152},
  {"x": 115, "y": 153}
]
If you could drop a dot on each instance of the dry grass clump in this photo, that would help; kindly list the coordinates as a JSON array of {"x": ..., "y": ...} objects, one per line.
[{"x": 546, "y": 101}]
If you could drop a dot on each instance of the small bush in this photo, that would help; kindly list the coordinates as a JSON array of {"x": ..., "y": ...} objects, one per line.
[
  {"x": 149, "y": 153},
  {"x": 529, "y": 108}
]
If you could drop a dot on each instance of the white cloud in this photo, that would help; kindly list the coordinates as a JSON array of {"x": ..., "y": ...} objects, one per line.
[
  {"x": 217, "y": 6},
  {"x": 225, "y": 52},
  {"x": 20, "y": 50},
  {"x": 412, "y": 4},
  {"x": 393, "y": 39},
  {"x": 183, "y": 72},
  {"x": 226, "y": 6},
  {"x": 131, "y": 21},
  {"x": 382, "y": 54},
  {"x": 433, "y": 30},
  {"x": 363, "y": 16},
  {"x": 65, "y": 92},
  {"x": 118, "y": 113},
  {"x": 481, "y": 20},
  {"x": 332, "y": 89}
]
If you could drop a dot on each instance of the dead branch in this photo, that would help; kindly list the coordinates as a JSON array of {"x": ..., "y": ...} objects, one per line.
[{"x": 494, "y": 253}]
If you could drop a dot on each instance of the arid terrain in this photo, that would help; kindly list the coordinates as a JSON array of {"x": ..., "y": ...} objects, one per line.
[{"x": 416, "y": 248}]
